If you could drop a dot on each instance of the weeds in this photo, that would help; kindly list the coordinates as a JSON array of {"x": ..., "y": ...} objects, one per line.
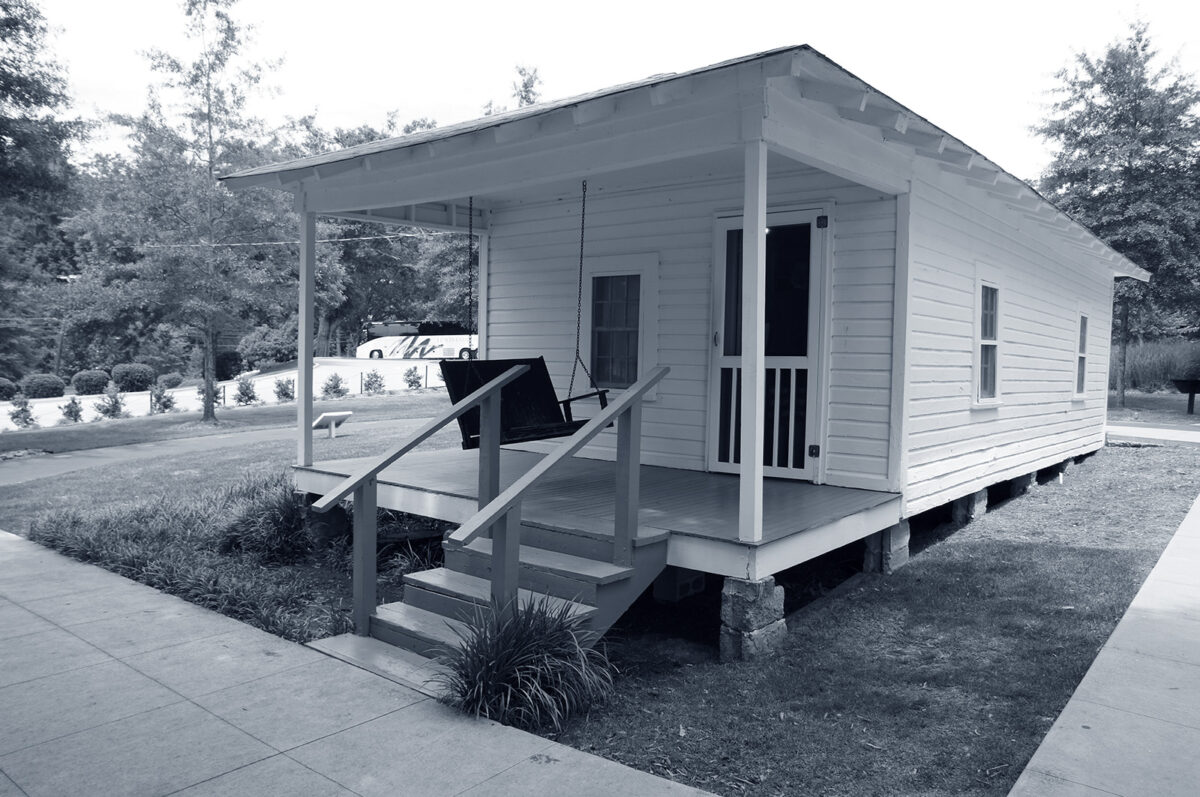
[
  {"x": 1152, "y": 365},
  {"x": 530, "y": 668}
]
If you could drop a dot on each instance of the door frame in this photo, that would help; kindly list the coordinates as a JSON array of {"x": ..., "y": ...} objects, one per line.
[{"x": 820, "y": 254}]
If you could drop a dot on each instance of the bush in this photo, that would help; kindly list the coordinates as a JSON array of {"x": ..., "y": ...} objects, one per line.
[
  {"x": 160, "y": 399},
  {"x": 530, "y": 668},
  {"x": 8, "y": 389},
  {"x": 269, "y": 344},
  {"x": 173, "y": 379},
  {"x": 112, "y": 405},
  {"x": 229, "y": 365},
  {"x": 373, "y": 383},
  {"x": 43, "y": 386},
  {"x": 133, "y": 377},
  {"x": 245, "y": 392},
  {"x": 285, "y": 389},
  {"x": 20, "y": 414},
  {"x": 268, "y": 521},
  {"x": 334, "y": 387},
  {"x": 72, "y": 411},
  {"x": 90, "y": 382},
  {"x": 412, "y": 379}
]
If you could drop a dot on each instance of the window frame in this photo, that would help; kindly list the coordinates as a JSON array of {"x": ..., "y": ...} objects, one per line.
[
  {"x": 644, "y": 265},
  {"x": 1080, "y": 360},
  {"x": 986, "y": 278}
]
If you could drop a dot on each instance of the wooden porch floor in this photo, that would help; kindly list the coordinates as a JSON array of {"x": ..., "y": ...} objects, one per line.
[{"x": 699, "y": 510}]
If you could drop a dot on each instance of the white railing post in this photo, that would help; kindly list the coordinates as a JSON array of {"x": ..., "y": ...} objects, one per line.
[
  {"x": 365, "y": 531},
  {"x": 489, "y": 448},
  {"x": 628, "y": 498},
  {"x": 506, "y": 558}
]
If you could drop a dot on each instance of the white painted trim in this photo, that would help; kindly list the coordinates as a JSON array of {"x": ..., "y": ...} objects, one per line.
[
  {"x": 304, "y": 346},
  {"x": 754, "y": 291},
  {"x": 986, "y": 275},
  {"x": 482, "y": 320},
  {"x": 644, "y": 265},
  {"x": 821, "y": 343},
  {"x": 898, "y": 415}
]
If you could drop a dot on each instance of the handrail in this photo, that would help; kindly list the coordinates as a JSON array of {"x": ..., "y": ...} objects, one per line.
[
  {"x": 355, "y": 480},
  {"x": 502, "y": 504}
]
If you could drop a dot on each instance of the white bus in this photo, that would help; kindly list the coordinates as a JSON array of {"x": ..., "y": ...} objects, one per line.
[{"x": 416, "y": 340}]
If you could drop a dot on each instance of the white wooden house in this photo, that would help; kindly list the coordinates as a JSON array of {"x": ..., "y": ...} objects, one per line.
[{"x": 920, "y": 325}]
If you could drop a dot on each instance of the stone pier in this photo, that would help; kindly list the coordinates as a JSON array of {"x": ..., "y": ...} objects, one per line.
[
  {"x": 969, "y": 507},
  {"x": 887, "y": 550},
  {"x": 752, "y": 622}
]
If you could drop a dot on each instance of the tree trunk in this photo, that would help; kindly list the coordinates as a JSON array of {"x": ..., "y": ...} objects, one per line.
[
  {"x": 322, "y": 347},
  {"x": 1123, "y": 356},
  {"x": 210, "y": 374},
  {"x": 335, "y": 333}
]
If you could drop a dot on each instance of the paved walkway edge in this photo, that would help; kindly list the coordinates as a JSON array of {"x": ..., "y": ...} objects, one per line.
[{"x": 1132, "y": 727}]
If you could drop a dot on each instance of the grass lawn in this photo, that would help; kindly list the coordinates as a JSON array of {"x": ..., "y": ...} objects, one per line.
[
  {"x": 1168, "y": 408},
  {"x": 941, "y": 679},
  {"x": 172, "y": 425}
]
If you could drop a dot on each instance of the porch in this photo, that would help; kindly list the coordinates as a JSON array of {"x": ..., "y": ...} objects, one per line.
[{"x": 694, "y": 511}]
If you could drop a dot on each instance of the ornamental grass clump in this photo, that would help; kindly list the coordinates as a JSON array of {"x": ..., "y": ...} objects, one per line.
[
  {"x": 531, "y": 668},
  {"x": 267, "y": 521}
]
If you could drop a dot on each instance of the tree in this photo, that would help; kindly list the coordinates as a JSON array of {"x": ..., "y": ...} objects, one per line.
[
  {"x": 167, "y": 241},
  {"x": 524, "y": 91},
  {"x": 34, "y": 181},
  {"x": 1126, "y": 166}
]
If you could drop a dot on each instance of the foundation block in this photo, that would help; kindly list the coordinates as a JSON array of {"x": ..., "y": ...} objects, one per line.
[
  {"x": 887, "y": 550},
  {"x": 969, "y": 507},
  {"x": 752, "y": 623}
]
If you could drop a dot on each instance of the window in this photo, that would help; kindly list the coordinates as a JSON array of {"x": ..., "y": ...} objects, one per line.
[
  {"x": 1081, "y": 357},
  {"x": 988, "y": 345},
  {"x": 616, "y": 315},
  {"x": 620, "y": 318}
]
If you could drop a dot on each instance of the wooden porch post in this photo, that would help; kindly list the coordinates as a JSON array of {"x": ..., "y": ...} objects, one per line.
[
  {"x": 754, "y": 301},
  {"x": 304, "y": 343}
]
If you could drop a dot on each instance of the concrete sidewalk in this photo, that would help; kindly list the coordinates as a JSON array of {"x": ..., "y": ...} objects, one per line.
[
  {"x": 1132, "y": 727},
  {"x": 1146, "y": 433},
  {"x": 110, "y": 687}
]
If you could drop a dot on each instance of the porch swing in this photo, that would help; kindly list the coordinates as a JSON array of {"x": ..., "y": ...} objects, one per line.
[{"x": 529, "y": 407}]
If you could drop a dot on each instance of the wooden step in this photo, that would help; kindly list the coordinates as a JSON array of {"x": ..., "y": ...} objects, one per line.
[
  {"x": 571, "y": 577},
  {"x": 579, "y": 542},
  {"x": 453, "y": 594},
  {"x": 418, "y": 630},
  {"x": 388, "y": 661}
]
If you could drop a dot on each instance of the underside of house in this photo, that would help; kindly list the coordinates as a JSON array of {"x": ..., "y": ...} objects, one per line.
[{"x": 918, "y": 323}]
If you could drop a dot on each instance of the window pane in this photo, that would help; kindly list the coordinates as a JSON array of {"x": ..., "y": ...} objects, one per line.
[
  {"x": 987, "y": 316},
  {"x": 733, "y": 294},
  {"x": 1083, "y": 334},
  {"x": 615, "y": 317},
  {"x": 1080, "y": 375},
  {"x": 987, "y": 371}
]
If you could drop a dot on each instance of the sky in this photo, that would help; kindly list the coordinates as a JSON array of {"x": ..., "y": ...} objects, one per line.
[{"x": 982, "y": 71}]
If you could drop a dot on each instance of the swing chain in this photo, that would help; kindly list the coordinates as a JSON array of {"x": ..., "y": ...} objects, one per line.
[{"x": 579, "y": 301}]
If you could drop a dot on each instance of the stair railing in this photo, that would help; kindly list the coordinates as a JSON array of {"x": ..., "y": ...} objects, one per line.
[
  {"x": 503, "y": 513},
  {"x": 363, "y": 484}
]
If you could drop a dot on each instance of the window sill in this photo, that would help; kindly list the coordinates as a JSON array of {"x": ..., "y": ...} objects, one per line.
[{"x": 985, "y": 404}]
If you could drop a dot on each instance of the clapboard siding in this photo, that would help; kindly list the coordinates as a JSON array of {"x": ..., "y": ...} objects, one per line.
[
  {"x": 953, "y": 446},
  {"x": 533, "y": 257}
]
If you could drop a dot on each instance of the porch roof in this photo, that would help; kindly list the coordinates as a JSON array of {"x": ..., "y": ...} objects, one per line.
[{"x": 796, "y": 88}]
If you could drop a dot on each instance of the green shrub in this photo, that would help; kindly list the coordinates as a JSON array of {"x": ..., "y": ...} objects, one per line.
[
  {"x": 72, "y": 411},
  {"x": 8, "y": 389},
  {"x": 530, "y": 668},
  {"x": 160, "y": 399},
  {"x": 246, "y": 394},
  {"x": 90, "y": 382},
  {"x": 112, "y": 405},
  {"x": 373, "y": 383},
  {"x": 334, "y": 387},
  {"x": 20, "y": 414},
  {"x": 267, "y": 521},
  {"x": 229, "y": 365},
  {"x": 269, "y": 344},
  {"x": 43, "y": 386},
  {"x": 173, "y": 379},
  {"x": 285, "y": 389},
  {"x": 412, "y": 379},
  {"x": 133, "y": 377}
]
